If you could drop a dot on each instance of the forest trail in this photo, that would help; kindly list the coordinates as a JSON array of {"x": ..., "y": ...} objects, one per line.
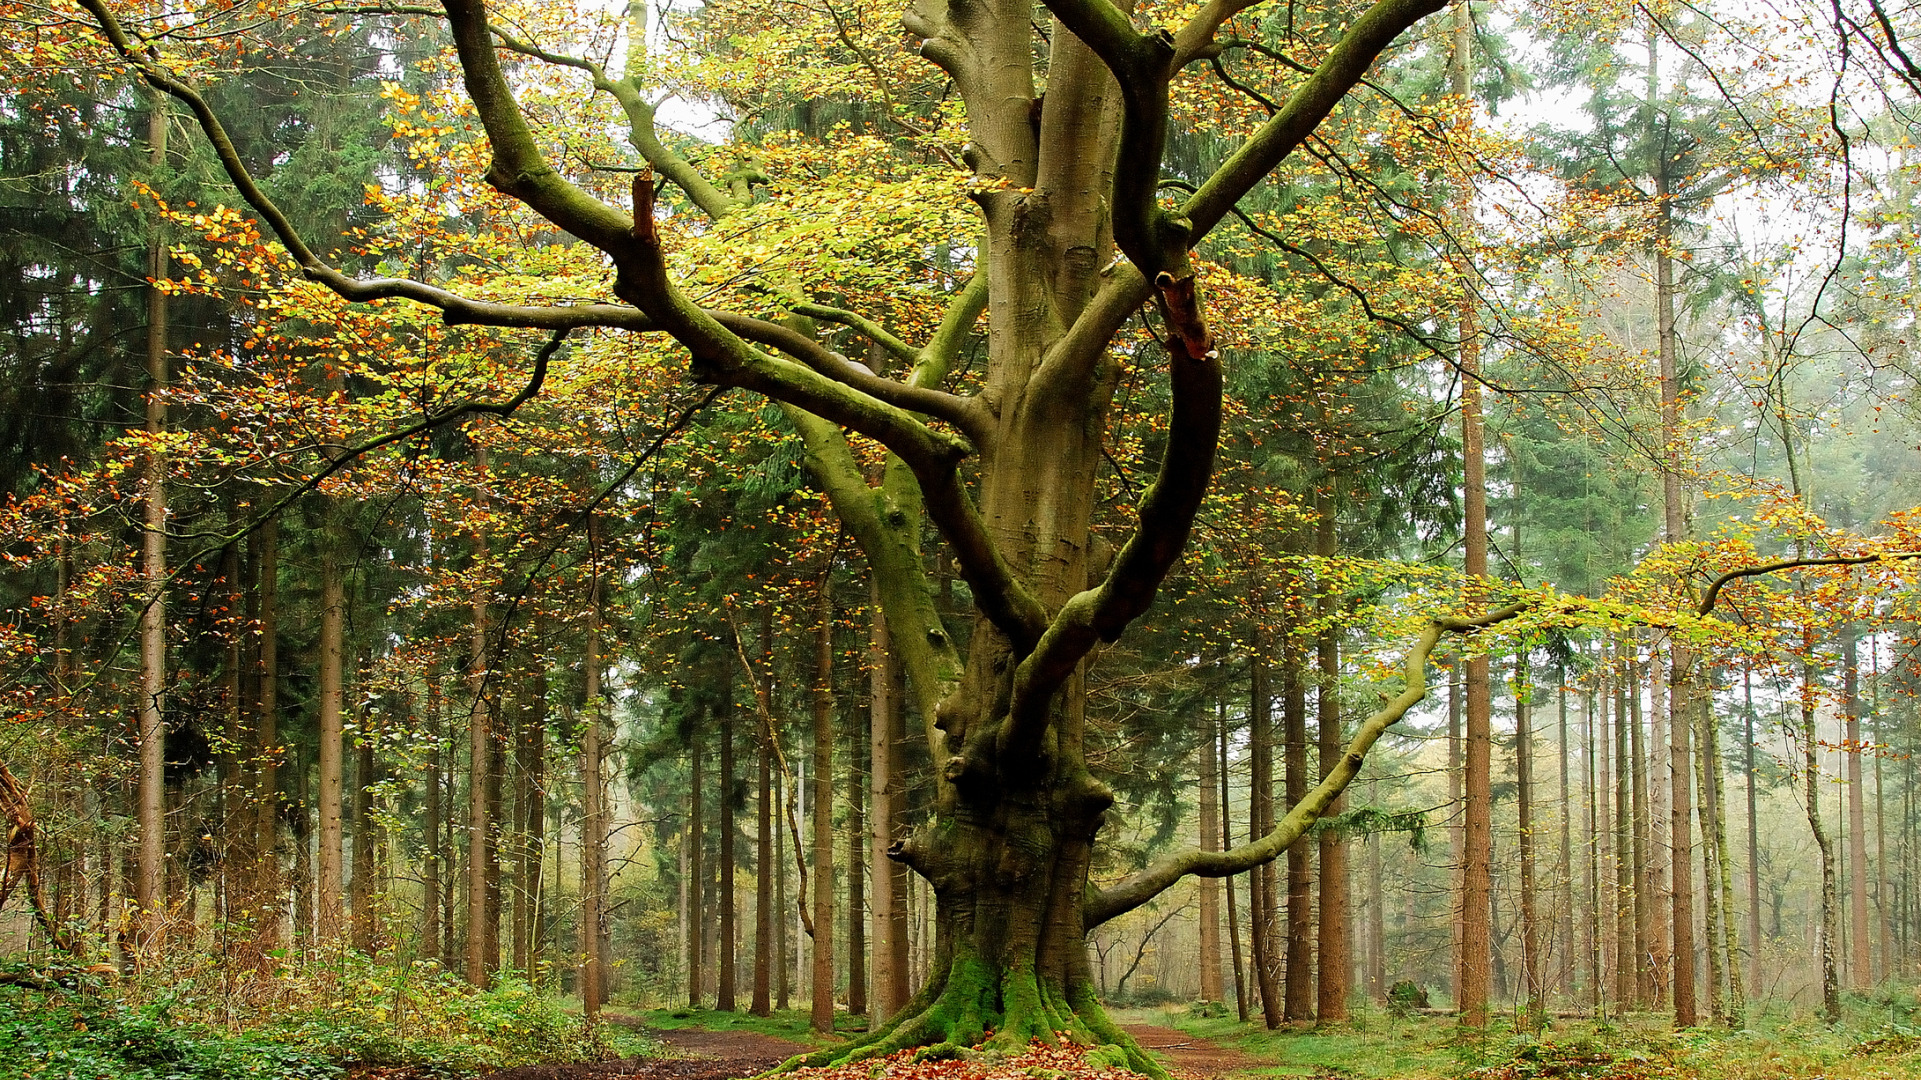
[{"x": 1190, "y": 1054}]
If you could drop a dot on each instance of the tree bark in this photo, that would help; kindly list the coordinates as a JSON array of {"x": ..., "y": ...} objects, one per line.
[
  {"x": 822, "y": 1013},
  {"x": 481, "y": 855},
  {"x": 1241, "y": 989},
  {"x": 330, "y": 761},
  {"x": 1851, "y": 748},
  {"x": 270, "y": 888},
  {"x": 1334, "y": 965},
  {"x": 1262, "y": 884},
  {"x": 857, "y": 843},
  {"x": 593, "y": 817},
  {"x": 1210, "y": 889},
  {"x": 432, "y": 854},
  {"x": 727, "y": 902},
  {"x": 152, "y": 733},
  {"x": 1299, "y": 984},
  {"x": 765, "y": 864}
]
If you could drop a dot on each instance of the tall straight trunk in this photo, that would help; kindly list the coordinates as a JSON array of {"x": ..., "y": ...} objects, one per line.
[
  {"x": 1861, "y": 967},
  {"x": 235, "y": 857},
  {"x": 1333, "y": 945},
  {"x": 1593, "y": 783},
  {"x": 1754, "y": 834},
  {"x": 1263, "y": 883},
  {"x": 728, "y": 904},
  {"x": 1531, "y": 959},
  {"x": 1241, "y": 990},
  {"x": 1660, "y": 871},
  {"x": 1625, "y": 961},
  {"x": 301, "y": 811},
  {"x": 151, "y": 811},
  {"x": 1646, "y": 979},
  {"x": 1210, "y": 890},
  {"x": 530, "y": 754},
  {"x": 364, "y": 890},
  {"x": 1811, "y": 793},
  {"x": 1476, "y": 870},
  {"x": 698, "y": 914},
  {"x": 1565, "y": 920},
  {"x": 1710, "y": 874},
  {"x": 1884, "y": 915},
  {"x": 1456, "y": 830},
  {"x": 857, "y": 842},
  {"x": 783, "y": 962},
  {"x": 822, "y": 1014},
  {"x": 432, "y": 853},
  {"x": 269, "y": 888},
  {"x": 330, "y": 759},
  {"x": 1714, "y": 799},
  {"x": 593, "y": 819},
  {"x": 1298, "y": 990},
  {"x": 481, "y": 855},
  {"x": 1686, "y": 1008},
  {"x": 765, "y": 867}
]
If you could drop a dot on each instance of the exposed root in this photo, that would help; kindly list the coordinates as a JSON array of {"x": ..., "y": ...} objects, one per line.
[{"x": 999, "y": 1015}]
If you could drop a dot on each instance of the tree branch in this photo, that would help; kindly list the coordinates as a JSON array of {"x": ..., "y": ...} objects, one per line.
[{"x": 1139, "y": 888}]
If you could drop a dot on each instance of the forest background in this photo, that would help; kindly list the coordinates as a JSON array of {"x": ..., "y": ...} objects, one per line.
[{"x": 379, "y": 584}]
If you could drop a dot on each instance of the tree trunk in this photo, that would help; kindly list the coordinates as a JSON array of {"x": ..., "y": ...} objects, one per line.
[
  {"x": 727, "y": 903},
  {"x": 1851, "y": 749},
  {"x": 1811, "y": 792},
  {"x": 888, "y": 729},
  {"x": 366, "y": 918},
  {"x": 1262, "y": 883},
  {"x": 1210, "y": 889},
  {"x": 698, "y": 916},
  {"x": 1335, "y": 960},
  {"x": 593, "y": 818},
  {"x": 481, "y": 855},
  {"x": 765, "y": 865},
  {"x": 1624, "y": 957},
  {"x": 152, "y": 734},
  {"x": 1531, "y": 961},
  {"x": 1299, "y": 974},
  {"x": 270, "y": 887},
  {"x": 1647, "y": 979},
  {"x": 432, "y": 853},
  {"x": 822, "y": 1015},
  {"x": 1241, "y": 988},
  {"x": 857, "y": 842},
  {"x": 1754, "y": 834},
  {"x": 330, "y": 760}
]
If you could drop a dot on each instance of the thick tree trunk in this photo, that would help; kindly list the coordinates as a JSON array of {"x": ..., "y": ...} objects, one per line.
[
  {"x": 481, "y": 855},
  {"x": 887, "y": 731}
]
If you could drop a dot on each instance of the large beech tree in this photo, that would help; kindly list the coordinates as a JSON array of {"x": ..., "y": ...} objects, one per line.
[{"x": 1074, "y": 240}]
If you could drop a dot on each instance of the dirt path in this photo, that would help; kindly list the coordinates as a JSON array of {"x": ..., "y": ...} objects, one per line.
[{"x": 1190, "y": 1054}]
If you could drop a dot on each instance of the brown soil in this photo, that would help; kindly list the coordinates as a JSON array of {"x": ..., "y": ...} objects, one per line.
[{"x": 1184, "y": 1053}]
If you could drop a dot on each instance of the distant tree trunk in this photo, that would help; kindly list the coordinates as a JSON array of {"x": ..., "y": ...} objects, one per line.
[
  {"x": 1241, "y": 989},
  {"x": 1811, "y": 791},
  {"x": 1334, "y": 965},
  {"x": 857, "y": 841},
  {"x": 1456, "y": 832},
  {"x": 366, "y": 918},
  {"x": 1594, "y": 783},
  {"x": 330, "y": 759},
  {"x": 765, "y": 866},
  {"x": 593, "y": 818},
  {"x": 235, "y": 858},
  {"x": 822, "y": 1015},
  {"x": 1754, "y": 834},
  {"x": 1299, "y": 985},
  {"x": 269, "y": 888},
  {"x": 1625, "y": 961},
  {"x": 431, "y": 851},
  {"x": 728, "y": 903},
  {"x": 1647, "y": 981},
  {"x": 481, "y": 857},
  {"x": 300, "y": 812},
  {"x": 1566, "y": 911},
  {"x": 783, "y": 960},
  {"x": 1262, "y": 884},
  {"x": 1531, "y": 965},
  {"x": 1209, "y": 888},
  {"x": 530, "y": 783},
  {"x": 1686, "y": 1009},
  {"x": 151, "y": 813},
  {"x": 1376, "y": 921},
  {"x": 1851, "y": 749},
  {"x": 696, "y": 877}
]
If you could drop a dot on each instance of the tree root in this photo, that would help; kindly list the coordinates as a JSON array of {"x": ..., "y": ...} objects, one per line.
[{"x": 973, "y": 1011}]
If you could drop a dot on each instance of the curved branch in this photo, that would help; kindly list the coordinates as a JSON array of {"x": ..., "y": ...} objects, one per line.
[
  {"x": 1139, "y": 888},
  {"x": 1713, "y": 593}
]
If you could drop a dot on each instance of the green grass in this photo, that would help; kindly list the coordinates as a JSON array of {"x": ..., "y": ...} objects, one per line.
[
  {"x": 790, "y": 1024},
  {"x": 1779, "y": 1045}
]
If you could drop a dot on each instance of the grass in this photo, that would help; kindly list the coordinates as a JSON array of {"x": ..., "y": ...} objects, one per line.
[
  {"x": 794, "y": 1025},
  {"x": 1377, "y": 1046}
]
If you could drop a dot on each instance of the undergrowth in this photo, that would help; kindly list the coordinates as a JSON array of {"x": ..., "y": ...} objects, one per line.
[{"x": 309, "y": 1020}]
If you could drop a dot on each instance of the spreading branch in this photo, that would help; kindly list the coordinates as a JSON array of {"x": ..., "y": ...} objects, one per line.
[{"x": 1143, "y": 886}]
